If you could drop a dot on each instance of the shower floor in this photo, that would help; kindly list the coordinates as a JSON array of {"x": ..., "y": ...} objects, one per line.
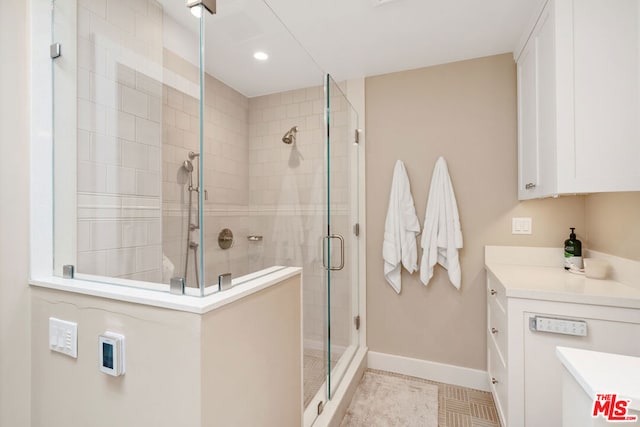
[{"x": 314, "y": 372}]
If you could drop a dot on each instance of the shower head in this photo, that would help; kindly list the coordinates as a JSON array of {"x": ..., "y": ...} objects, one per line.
[
  {"x": 188, "y": 166},
  {"x": 290, "y": 136}
]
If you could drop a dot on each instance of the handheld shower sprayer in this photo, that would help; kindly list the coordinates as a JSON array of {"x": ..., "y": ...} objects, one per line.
[{"x": 187, "y": 165}]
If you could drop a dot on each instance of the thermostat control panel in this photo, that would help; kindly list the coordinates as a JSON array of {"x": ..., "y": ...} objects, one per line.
[{"x": 111, "y": 348}]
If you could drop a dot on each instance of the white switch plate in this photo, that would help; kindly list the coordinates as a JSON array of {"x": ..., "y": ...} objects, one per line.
[
  {"x": 63, "y": 337},
  {"x": 521, "y": 225}
]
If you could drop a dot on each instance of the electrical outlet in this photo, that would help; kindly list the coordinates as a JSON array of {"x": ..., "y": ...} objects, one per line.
[
  {"x": 521, "y": 225},
  {"x": 63, "y": 337}
]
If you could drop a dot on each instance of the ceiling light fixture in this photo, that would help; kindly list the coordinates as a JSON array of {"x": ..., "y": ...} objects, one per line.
[
  {"x": 196, "y": 11},
  {"x": 196, "y": 7},
  {"x": 261, "y": 56}
]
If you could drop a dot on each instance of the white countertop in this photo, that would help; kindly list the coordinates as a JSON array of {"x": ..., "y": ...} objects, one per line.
[
  {"x": 537, "y": 273},
  {"x": 604, "y": 373},
  {"x": 557, "y": 284}
]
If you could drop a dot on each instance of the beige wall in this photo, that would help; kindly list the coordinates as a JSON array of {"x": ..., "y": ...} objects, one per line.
[
  {"x": 613, "y": 224},
  {"x": 14, "y": 215},
  {"x": 160, "y": 388},
  {"x": 252, "y": 360},
  {"x": 238, "y": 365},
  {"x": 466, "y": 112}
]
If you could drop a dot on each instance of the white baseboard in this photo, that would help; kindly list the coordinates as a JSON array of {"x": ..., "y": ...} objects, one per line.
[{"x": 434, "y": 371}]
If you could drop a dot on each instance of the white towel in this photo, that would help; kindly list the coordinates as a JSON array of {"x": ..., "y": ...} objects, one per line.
[
  {"x": 441, "y": 236},
  {"x": 400, "y": 229}
]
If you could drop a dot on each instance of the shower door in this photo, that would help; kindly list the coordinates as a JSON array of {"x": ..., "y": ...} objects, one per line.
[{"x": 341, "y": 254}]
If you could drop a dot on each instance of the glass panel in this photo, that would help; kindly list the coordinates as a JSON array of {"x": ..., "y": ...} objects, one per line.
[
  {"x": 342, "y": 164},
  {"x": 264, "y": 173},
  {"x": 123, "y": 117},
  {"x": 182, "y": 121}
]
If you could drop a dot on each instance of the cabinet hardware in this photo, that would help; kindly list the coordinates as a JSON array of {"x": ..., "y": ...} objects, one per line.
[
  {"x": 493, "y": 292},
  {"x": 494, "y": 381},
  {"x": 494, "y": 331},
  {"x": 530, "y": 186}
]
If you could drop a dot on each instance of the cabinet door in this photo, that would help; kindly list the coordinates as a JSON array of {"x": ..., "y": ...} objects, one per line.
[
  {"x": 537, "y": 165},
  {"x": 606, "y": 82},
  {"x": 543, "y": 370},
  {"x": 528, "y": 163}
]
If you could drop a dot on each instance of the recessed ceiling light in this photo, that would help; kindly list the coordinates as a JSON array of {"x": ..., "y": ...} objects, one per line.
[{"x": 261, "y": 56}]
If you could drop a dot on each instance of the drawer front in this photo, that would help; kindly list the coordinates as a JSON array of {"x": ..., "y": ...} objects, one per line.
[
  {"x": 496, "y": 293},
  {"x": 497, "y": 327},
  {"x": 498, "y": 378}
]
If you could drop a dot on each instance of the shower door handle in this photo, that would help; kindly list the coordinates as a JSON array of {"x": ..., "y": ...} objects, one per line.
[{"x": 324, "y": 252}]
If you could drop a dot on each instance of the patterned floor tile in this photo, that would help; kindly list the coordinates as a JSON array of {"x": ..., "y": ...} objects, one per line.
[
  {"x": 484, "y": 412},
  {"x": 460, "y": 406},
  {"x": 457, "y": 406},
  {"x": 455, "y": 419}
]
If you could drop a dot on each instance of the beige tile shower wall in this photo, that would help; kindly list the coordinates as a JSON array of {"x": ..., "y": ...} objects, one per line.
[
  {"x": 281, "y": 174},
  {"x": 613, "y": 224},
  {"x": 286, "y": 192},
  {"x": 466, "y": 112},
  {"x": 287, "y": 198},
  {"x": 119, "y": 139},
  {"x": 226, "y": 171}
]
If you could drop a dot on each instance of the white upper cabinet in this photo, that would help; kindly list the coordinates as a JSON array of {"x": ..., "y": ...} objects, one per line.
[{"x": 579, "y": 99}]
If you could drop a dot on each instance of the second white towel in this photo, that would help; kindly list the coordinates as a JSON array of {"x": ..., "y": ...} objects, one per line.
[
  {"x": 441, "y": 236},
  {"x": 400, "y": 230}
]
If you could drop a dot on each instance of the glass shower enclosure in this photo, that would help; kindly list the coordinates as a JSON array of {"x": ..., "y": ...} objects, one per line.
[{"x": 182, "y": 153}]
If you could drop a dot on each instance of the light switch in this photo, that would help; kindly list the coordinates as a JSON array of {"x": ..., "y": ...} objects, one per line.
[
  {"x": 63, "y": 337},
  {"x": 521, "y": 225}
]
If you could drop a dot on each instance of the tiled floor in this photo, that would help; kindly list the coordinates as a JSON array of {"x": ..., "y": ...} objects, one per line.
[{"x": 460, "y": 406}]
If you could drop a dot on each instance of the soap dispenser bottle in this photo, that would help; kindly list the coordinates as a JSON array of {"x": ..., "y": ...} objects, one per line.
[{"x": 572, "y": 251}]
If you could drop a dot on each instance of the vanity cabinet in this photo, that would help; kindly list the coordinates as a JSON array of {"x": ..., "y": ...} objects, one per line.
[
  {"x": 579, "y": 99},
  {"x": 524, "y": 373},
  {"x": 497, "y": 346}
]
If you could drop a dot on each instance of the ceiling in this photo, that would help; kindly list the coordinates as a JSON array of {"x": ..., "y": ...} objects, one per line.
[{"x": 347, "y": 38}]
